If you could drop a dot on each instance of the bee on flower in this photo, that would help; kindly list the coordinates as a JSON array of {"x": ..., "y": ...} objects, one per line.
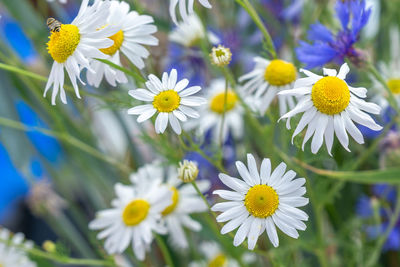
[
  {"x": 261, "y": 200},
  {"x": 330, "y": 106},
  {"x": 170, "y": 99},
  {"x": 134, "y": 32},
  {"x": 74, "y": 45},
  {"x": 267, "y": 79}
]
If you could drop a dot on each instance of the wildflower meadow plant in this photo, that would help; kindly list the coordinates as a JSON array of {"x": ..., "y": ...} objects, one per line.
[{"x": 182, "y": 135}]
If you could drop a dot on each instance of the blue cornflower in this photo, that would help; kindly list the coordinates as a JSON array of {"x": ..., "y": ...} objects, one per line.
[
  {"x": 207, "y": 170},
  {"x": 13, "y": 186},
  {"x": 282, "y": 12},
  {"x": 326, "y": 46},
  {"x": 15, "y": 37},
  {"x": 189, "y": 62},
  {"x": 47, "y": 146},
  {"x": 364, "y": 209}
]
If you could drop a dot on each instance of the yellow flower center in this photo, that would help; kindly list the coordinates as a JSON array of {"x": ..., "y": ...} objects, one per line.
[
  {"x": 135, "y": 212},
  {"x": 175, "y": 199},
  {"x": 63, "y": 43},
  {"x": 167, "y": 101},
  {"x": 218, "y": 102},
  {"x": 394, "y": 86},
  {"x": 261, "y": 201},
  {"x": 118, "y": 38},
  {"x": 218, "y": 261},
  {"x": 330, "y": 95},
  {"x": 280, "y": 73}
]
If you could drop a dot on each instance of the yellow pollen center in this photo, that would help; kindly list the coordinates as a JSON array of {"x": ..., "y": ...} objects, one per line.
[
  {"x": 218, "y": 261},
  {"x": 394, "y": 86},
  {"x": 62, "y": 44},
  {"x": 218, "y": 102},
  {"x": 280, "y": 73},
  {"x": 219, "y": 52},
  {"x": 167, "y": 101},
  {"x": 175, "y": 199},
  {"x": 135, "y": 212},
  {"x": 330, "y": 95},
  {"x": 261, "y": 201},
  {"x": 118, "y": 38}
]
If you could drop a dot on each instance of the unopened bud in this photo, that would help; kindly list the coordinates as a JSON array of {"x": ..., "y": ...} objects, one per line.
[
  {"x": 187, "y": 171},
  {"x": 220, "y": 56},
  {"x": 49, "y": 246}
]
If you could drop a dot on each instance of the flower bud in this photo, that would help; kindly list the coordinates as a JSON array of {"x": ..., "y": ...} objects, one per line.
[
  {"x": 187, "y": 171},
  {"x": 220, "y": 56},
  {"x": 49, "y": 246}
]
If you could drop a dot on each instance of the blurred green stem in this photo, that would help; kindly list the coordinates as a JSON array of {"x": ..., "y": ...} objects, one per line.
[
  {"x": 382, "y": 239},
  {"x": 257, "y": 20},
  {"x": 196, "y": 148},
  {"x": 67, "y": 139},
  {"x": 41, "y": 78},
  {"x": 60, "y": 258},
  {"x": 164, "y": 249}
]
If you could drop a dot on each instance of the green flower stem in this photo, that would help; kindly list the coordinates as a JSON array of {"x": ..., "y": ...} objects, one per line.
[
  {"x": 256, "y": 18},
  {"x": 39, "y": 77},
  {"x": 196, "y": 148},
  {"x": 60, "y": 258},
  {"x": 164, "y": 249},
  {"x": 68, "y": 139},
  {"x": 363, "y": 157},
  {"x": 202, "y": 196},
  {"x": 382, "y": 239}
]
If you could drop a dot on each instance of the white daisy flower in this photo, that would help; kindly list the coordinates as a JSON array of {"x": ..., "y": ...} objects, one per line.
[
  {"x": 171, "y": 99},
  {"x": 214, "y": 256},
  {"x": 135, "y": 214},
  {"x": 74, "y": 45},
  {"x": 134, "y": 31},
  {"x": 330, "y": 106},
  {"x": 185, "y": 8},
  {"x": 185, "y": 201},
  {"x": 189, "y": 32},
  {"x": 260, "y": 201},
  {"x": 10, "y": 254},
  {"x": 211, "y": 114},
  {"x": 390, "y": 72},
  {"x": 266, "y": 80}
]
